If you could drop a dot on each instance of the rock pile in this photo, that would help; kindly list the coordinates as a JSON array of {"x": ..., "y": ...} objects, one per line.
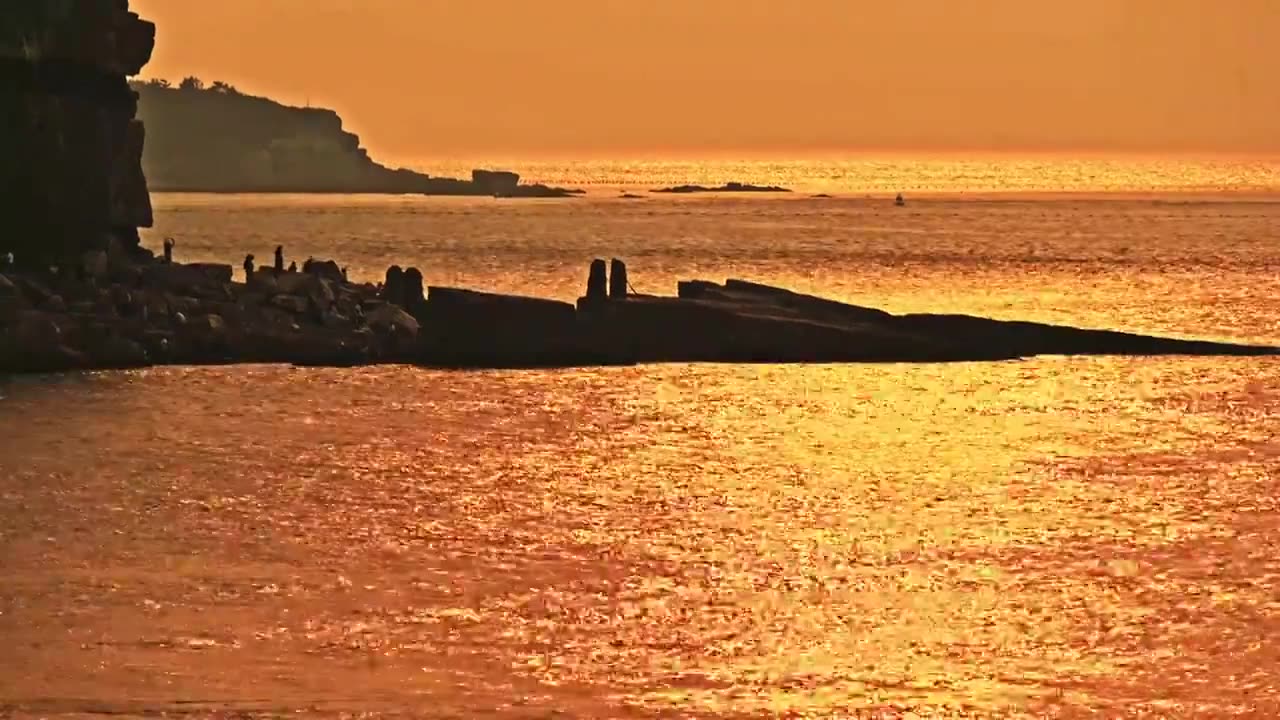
[{"x": 136, "y": 314}]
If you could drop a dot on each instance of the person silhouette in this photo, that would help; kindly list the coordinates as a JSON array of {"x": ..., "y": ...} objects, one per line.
[
  {"x": 279, "y": 259},
  {"x": 293, "y": 267},
  {"x": 168, "y": 249},
  {"x": 900, "y": 201},
  {"x": 248, "y": 268}
]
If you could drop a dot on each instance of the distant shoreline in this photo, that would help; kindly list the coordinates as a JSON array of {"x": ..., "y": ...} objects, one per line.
[{"x": 611, "y": 192}]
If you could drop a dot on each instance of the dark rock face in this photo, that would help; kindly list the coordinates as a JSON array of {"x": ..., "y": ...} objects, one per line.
[
  {"x": 597, "y": 282},
  {"x": 411, "y": 294},
  {"x": 326, "y": 269},
  {"x": 618, "y": 280},
  {"x": 217, "y": 139},
  {"x": 71, "y": 179},
  {"x": 393, "y": 285}
]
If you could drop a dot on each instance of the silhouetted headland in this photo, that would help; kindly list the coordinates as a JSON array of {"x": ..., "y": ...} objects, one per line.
[
  {"x": 216, "y": 139},
  {"x": 732, "y": 187}
]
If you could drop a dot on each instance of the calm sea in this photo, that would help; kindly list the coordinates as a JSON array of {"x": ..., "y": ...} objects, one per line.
[{"x": 1054, "y": 537}]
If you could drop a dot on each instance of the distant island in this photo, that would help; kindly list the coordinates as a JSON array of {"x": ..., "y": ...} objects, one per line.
[
  {"x": 216, "y": 139},
  {"x": 726, "y": 188}
]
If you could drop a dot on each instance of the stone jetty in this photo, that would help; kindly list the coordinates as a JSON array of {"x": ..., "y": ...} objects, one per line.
[{"x": 122, "y": 310}]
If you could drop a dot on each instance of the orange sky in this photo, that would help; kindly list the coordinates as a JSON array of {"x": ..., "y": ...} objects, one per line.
[{"x": 439, "y": 78}]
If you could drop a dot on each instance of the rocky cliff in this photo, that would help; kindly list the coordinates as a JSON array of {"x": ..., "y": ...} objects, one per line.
[
  {"x": 217, "y": 139},
  {"x": 71, "y": 177}
]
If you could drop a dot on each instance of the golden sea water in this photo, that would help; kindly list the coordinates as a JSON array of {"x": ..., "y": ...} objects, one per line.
[{"x": 1088, "y": 537}]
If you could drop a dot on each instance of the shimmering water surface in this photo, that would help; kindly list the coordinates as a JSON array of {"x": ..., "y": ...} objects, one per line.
[{"x": 1062, "y": 538}]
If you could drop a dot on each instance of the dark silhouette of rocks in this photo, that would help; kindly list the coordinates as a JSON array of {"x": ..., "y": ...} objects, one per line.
[
  {"x": 393, "y": 285},
  {"x": 412, "y": 293},
  {"x": 217, "y": 139},
  {"x": 84, "y": 295},
  {"x": 733, "y": 187},
  {"x": 630, "y": 196},
  {"x": 70, "y": 149},
  {"x": 326, "y": 269},
  {"x": 618, "y": 280},
  {"x": 152, "y": 312},
  {"x": 597, "y": 282}
]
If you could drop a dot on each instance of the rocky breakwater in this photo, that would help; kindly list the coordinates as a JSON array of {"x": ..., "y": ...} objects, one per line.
[
  {"x": 71, "y": 176},
  {"x": 740, "y": 321},
  {"x": 108, "y": 312},
  {"x": 123, "y": 315}
]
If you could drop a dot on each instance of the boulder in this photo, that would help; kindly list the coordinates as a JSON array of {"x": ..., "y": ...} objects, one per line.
[
  {"x": 393, "y": 287},
  {"x": 391, "y": 318},
  {"x": 337, "y": 321},
  {"x": 157, "y": 306},
  {"x": 597, "y": 282},
  {"x": 411, "y": 293},
  {"x": 36, "y": 292},
  {"x": 34, "y": 342},
  {"x": 188, "y": 306},
  {"x": 306, "y": 284},
  {"x": 115, "y": 351},
  {"x": 324, "y": 269},
  {"x": 266, "y": 280},
  {"x": 188, "y": 279},
  {"x": 159, "y": 344},
  {"x": 312, "y": 286},
  {"x": 618, "y": 283},
  {"x": 291, "y": 303},
  {"x": 11, "y": 297},
  {"x": 212, "y": 324},
  {"x": 93, "y": 265}
]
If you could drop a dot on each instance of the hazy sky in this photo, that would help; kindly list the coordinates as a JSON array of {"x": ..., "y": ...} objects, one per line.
[{"x": 439, "y": 78}]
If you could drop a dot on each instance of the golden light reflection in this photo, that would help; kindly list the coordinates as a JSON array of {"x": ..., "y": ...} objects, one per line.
[{"x": 957, "y": 540}]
